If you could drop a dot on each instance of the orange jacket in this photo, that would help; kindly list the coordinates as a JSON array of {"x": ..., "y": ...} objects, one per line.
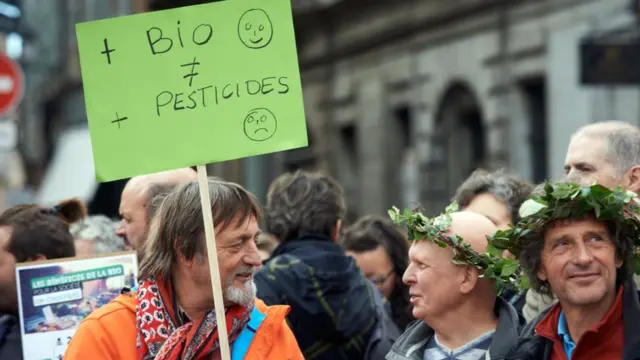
[{"x": 109, "y": 333}]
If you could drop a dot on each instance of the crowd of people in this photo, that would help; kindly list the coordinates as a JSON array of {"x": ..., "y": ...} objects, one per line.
[{"x": 300, "y": 283}]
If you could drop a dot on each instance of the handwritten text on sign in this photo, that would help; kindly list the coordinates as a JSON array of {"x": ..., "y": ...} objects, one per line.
[{"x": 191, "y": 86}]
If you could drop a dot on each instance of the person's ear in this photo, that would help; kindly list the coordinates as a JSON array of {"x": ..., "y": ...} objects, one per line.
[
  {"x": 471, "y": 276},
  {"x": 542, "y": 274},
  {"x": 337, "y": 232},
  {"x": 37, "y": 257},
  {"x": 180, "y": 257},
  {"x": 633, "y": 179},
  {"x": 618, "y": 262}
]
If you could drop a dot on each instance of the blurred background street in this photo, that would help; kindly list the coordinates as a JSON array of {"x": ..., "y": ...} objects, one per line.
[{"x": 403, "y": 98}]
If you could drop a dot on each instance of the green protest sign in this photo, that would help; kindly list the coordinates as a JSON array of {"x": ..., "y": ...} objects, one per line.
[{"x": 191, "y": 86}]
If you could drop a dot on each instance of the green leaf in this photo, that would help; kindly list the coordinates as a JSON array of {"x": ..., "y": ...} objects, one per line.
[
  {"x": 394, "y": 214},
  {"x": 509, "y": 268},
  {"x": 531, "y": 207},
  {"x": 596, "y": 209},
  {"x": 493, "y": 250},
  {"x": 442, "y": 222},
  {"x": 456, "y": 239},
  {"x": 548, "y": 188},
  {"x": 453, "y": 207},
  {"x": 629, "y": 196},
  {"x": 564, "y": 190},
  {"x": 584, "y": 192}
]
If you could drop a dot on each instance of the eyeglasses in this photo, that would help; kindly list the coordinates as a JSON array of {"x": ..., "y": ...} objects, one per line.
[{"x": 379, "y": 281}]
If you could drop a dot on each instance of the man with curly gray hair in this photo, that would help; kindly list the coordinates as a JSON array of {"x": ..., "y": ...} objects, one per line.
[
  {"x": 96, "y": 235},
  {"x": 495, "y": 194}
]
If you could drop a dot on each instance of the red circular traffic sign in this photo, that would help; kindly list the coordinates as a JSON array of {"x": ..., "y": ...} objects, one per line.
[{"x": 11, "y": 84}]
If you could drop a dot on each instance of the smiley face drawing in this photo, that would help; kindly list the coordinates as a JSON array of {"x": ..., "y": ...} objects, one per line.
[
  {"x": 255, "y": 29},
  {"x": 260, "y": 124}
]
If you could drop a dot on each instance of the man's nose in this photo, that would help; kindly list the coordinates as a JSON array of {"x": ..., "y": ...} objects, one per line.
[
  {"x": 407, "y": 277},
  {"x": 583, "y": 255},
  {"x": 574, "y": 177},
  {"x": 120, "y": 229},
  {"x": 252, "y": 257}
]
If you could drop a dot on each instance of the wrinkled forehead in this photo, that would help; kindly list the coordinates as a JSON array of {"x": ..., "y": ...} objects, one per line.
[
  {"x": 134, "y": 197},
  {"x": 586, "y": 148},
  {"x": 576, "y": 226},
  {"x": 424, "y": 250}
]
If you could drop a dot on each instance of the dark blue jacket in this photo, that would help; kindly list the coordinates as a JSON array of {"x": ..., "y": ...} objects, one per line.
[
  {"x": 10, "y": 341},
  {"x": 333, "y": 306}
]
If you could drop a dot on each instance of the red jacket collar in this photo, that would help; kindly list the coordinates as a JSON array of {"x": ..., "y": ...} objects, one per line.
[{"x": 548, "y": 326}]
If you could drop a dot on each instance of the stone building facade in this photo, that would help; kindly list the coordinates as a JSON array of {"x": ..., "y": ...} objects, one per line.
[{"x": 405, "y": 99}]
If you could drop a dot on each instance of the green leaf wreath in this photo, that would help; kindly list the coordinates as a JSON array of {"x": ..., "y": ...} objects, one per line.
[
  {"x": 504, "y": 271},
  {"x": 557, "y": 201},
  {"x": 566, "y": 200}
]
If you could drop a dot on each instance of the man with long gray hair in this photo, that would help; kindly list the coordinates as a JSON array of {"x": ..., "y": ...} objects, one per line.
[{"x": 171, "y": 314}]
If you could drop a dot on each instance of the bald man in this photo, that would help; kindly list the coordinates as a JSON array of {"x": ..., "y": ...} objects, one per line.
[
  {"x": 459, "y": 315},
  {"x": 137, "y": 202}
]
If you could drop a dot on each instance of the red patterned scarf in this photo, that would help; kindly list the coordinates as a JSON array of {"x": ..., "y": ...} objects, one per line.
[{"x": 162, "y": 336}]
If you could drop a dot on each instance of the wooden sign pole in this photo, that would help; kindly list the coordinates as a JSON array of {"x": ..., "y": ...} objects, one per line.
[{"x": 214, "y": 271}]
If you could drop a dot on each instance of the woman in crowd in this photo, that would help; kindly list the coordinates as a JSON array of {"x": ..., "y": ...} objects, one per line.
[{"x": 381, "y": 252}]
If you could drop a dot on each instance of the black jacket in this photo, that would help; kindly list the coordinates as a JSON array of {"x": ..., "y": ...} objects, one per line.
[
  {"x": 534, "y": 347},
  {"x": 10, "y": 341},
  {"x": 516, "y": 299},
  {"x": 412, "y": 344},
  {"x": 333, "y": 307}
]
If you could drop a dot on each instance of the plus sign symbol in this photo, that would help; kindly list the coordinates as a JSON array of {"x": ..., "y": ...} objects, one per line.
[
  {"x": 119, "y": 119},
  {"x": 107, "y": 51}
]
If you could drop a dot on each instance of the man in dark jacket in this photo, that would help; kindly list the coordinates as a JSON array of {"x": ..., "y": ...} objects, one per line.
[
  {"x": 581, "y": 249},
  {"x": 459, "y": 315},
  {"x": 336, "y": 314}
]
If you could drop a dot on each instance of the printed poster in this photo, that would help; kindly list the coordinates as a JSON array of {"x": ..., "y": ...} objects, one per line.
[{"x": 54, "y": 296}]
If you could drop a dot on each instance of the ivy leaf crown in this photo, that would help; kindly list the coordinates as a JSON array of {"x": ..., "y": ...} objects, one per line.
[
  {"x": 562, "y": 200},
  {"x": 504, "y": 271}
]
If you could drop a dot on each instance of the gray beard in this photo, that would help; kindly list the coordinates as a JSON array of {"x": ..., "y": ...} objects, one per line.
[{"x": 244, "y": 296}]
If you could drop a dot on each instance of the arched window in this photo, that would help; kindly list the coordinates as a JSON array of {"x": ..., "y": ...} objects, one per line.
[{"x": 458, "y": 145}]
